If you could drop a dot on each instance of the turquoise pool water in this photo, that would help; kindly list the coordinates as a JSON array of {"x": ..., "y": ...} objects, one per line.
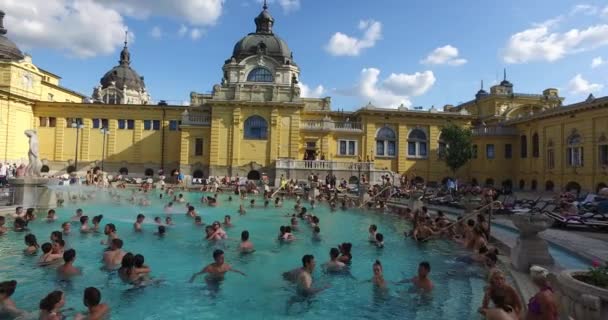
[{"x": 262, "y": 294}]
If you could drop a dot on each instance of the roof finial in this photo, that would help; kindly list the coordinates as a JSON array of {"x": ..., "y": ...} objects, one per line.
[
  {"x": 481, "y": 84},
  {"x": 265, "y": 6},
  {"x": 504, "y": 71},
  {"x": 126, "y": 37}
]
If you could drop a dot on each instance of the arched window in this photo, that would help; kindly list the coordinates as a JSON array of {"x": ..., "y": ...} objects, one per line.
[
  {"x": 535, "y": 146},
  {"x": 417, "y": 144},
  {"x": 149, "y": 172},
  {"x": 260, "y": 74},
  {"x": 534, "y": 185},
  {"x": 603, "y": 151},
  {"x": 549, "y": 185},
  {"x": 197, "y": 174},
  {"x": 522, "y": 184},
  {"x": 574, "y": 151},
  {"x": 124, "y": 171},
  {"x": 385, "y": 142},
  {"x": 489, "y": 182},
  {"x": 256, "y": 128},
  {"x": 550, "y": 155},
  {"x": 524, "y": 146}
]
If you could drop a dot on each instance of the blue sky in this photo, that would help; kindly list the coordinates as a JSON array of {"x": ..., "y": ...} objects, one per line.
[{"x": 358, "y": 51}]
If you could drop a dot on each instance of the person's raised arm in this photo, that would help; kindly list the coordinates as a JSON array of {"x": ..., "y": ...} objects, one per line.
[{"x": 198, "y": 274}]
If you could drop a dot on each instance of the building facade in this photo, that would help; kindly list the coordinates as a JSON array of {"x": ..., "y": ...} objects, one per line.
[{"x": 256, "y": 123}]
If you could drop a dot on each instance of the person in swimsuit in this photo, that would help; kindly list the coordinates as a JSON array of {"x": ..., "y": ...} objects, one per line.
[
  {"x": 217, "y": 269},
  {"x": 246, "y": 246},
  {"x": 138, "y": 222},
  {"x": 110, "y": 231},
  {"x": 113, "y": 257},
  {"x": 96, "y": 221},
  {"x": 345, "y": 256},
  {"x": 76, "y": 217},
  {"x": 67, "y": 270},
  {"x": 31, "y": 243},
  {"x": 304, "y": 286},
  {"x": 96, "y": 309},
  {"x": 334, "y": 265},
  {"x": 8, "y": 309},
  {"x": 66, "y": 228},
  {"x": 422, "y": 280},
  {"x": 48, "y": 257},
  {"x": 378, "y": 278},
  {"x": 50, "y": 216},
  {"x": 227, "y": 221},
  {"x": 543, "y": 305},
  {"x": 499, "y": 286},
  {"x": 373, "y": 229},
  {"x": 3, "y": 229},
  {"x": 51, "y": 305},
  {"x": 84, "y": 224},
  {"x": 126, "y": 272},
  {"x": 501, "y": 310}
]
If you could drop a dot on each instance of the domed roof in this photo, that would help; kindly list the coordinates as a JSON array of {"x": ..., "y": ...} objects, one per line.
[
  {"x": 481, "y": 93},
  {"x": 123, "y": 75},
  {"x": 8, "y": 49},
  {"x": 505, "y": 82},
  {"x": 263, "y": 41}
]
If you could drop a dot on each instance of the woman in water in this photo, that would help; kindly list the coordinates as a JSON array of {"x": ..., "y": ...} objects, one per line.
[
  {"x": 96, "y": 222},
  {"x": 501, "y": 310},
  {"x": 499, "y": 286},
  {"x": 31, "y": 243},
  {"x": 8, "y": 309},
  {"x": 50, "y": 216},
  {"x": 96, "y": 309},
  {"x": 345, "y": 256},
  {"x": 48, "y": 257},
  {"x": 543, "y": 305},
  {"x": 84, "y": 224},
  {"x": 378, "y": 278},
  {"x": 51, "y": 305},
  {"x": 127, "y": 270}
]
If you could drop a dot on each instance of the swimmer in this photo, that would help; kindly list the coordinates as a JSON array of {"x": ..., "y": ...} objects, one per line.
[
  {"x": 198, "y": 221},
  {"x": 30, "y": 215},
  {"x": 227, "y": 222},
  {"x": 334, "y": 265},
  {"x": 50, "y": 306},
  {"x": 288, "y": 236},
  {"x": 113, "y": 257},
  {"x": 96, "y": 222},
  {"x": 246, "y": 246},
  {"x": 422, "y": 280},
  {"x": 8, "y": 308},
  {"x": 126, "y": 272},
  {"x": 316, "y": 234},
  {"x": 158, "y": 221},
  {"x": 19, "y": 213},
  {"x": 345, "y": 253},
  {"x": 180, "y": 198},
  {"x": 218, "y": 231},
  {"x": 294, "y": 224},
  {"x": 58, "y": 246},
  {"x": 169, "y": 207},
  {"x": 76, "y": 217},
  {"x": 378, "y": 278},
  {"x": 379, "y": 240},
  {"x": 169, "y": 221},
  {"x": 191, "y": 212},
  {"x": 67, "y": 270},
  {"x": 96, "y": 309},
  {"x": 217, "y": 269},
  {"x": 373, "y": 229},
  {"x": 252, "y": 203},
  {"x": 50, "y": 216},
  {"x": 162, "y": 230},
  {"x": 66, "y": 228},
  {"x": 48, "y": 256},
  {"x": 138, "y": 222},
  {"x": 140, "y": 267},
  {"x": 210, "y": 234},
  {"x": 32, "y": 244},
  {"x": 242, "y": 210},
  {"x": 304, "y": 281},
  {"x": 3, "y": 229},
  {"x": 19, "y": 225},
  {"x": 110, "y": 231},
  {"x": 84, "y": 224}
]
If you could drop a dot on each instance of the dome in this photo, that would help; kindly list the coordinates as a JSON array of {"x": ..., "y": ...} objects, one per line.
[
  {"x": 8, "y": 49},
  {"x": 263, "y": 41},
  {"x": 481, "y": 93},
  {"x": 505, "y": 82},
  {"x": 123, "y": 75}
]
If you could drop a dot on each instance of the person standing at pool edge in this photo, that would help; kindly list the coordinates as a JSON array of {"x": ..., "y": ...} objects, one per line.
[{"x": 217, "y": 269}]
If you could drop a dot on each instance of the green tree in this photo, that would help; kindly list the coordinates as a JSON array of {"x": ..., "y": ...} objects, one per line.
[{"x": 457, "y": 146}]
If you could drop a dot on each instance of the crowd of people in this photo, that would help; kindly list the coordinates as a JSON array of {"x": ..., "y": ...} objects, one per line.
[{"x": 500, "y": 302}]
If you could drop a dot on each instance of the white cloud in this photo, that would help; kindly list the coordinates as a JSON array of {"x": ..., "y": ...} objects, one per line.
[
  {"x": 394, "y": 90},
  {"x": 585, "y": 9},
  {"x": 341, "y": 44},
  {"x": 307, "y": 92},
  {"x": 81, "y": 28},
  {"x": 196, "y": 33},
  {"x": 578, "y": 85},
  {"x": 182, "y": 30},
  {"x": 444, "y": 55},
  {"x": 156, "y": 32},
  {"x": 195, "y": 12},
  {"x": 597, "y": 61},
  {"x": 541, "y": 44}
]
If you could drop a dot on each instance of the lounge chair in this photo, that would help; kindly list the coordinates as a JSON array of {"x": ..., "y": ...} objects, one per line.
[{"x": 576, "y": 220}]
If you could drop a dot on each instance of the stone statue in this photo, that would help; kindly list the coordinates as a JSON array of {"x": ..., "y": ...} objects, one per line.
[{"x": 34, "y": 166}]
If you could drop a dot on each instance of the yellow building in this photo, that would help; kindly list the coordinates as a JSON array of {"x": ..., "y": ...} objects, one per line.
[{"x": 256, "y": 123}]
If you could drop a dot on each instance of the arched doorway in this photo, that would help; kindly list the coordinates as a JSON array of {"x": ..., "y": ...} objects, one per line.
[
  {"x": 198, "y": 174},
  {"x": 474, "y": 182},
  {"x": 549, "y": 186},
  {"x": 45, "y": 169},
  {"x": 353, "y": 180},
  {"x": 124, "y": 171},
  {"x": 418, "y": 180},
  {"x": 534, "y": 185},
  {"x": 573, "y": 186},
  {"x": 149, "y": 172},
  {"x": 489, "y": 182},
  {"x": 600, "y": 186},
  {"x": 253, "y": 175},
  {"x": 507, "y": 186},
  {"x": 522, "y": 184}
]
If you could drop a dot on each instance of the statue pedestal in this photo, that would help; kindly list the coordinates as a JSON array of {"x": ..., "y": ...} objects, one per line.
[
  {"x": 32, "y": 192},
  {"x": 531, "y": 249}
]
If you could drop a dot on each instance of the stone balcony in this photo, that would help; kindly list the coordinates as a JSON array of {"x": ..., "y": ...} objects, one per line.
[
  {"x": 494, "y": 131},
  {"x": 196, "y": 119},
  {"x": 327, "y": 125}
]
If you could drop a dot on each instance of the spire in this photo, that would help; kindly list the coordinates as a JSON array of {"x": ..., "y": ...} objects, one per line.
[
  {"x": 265, "y": 6},
  {"x": 505, "y": 82},
  {"x": 2, "y": 30},
  {"x": 125, "y": 56},
  {"x": 264, "y": 21},
  {"x": 481, "y": 85},
  {"x": 504, "y": 76}
]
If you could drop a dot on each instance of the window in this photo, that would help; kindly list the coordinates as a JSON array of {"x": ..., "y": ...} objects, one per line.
[
  {"x": 508, "y": 151},
  {"x": 100, "y": 123},
  {"x": 603, "y": 151},
  {"x": 73, "y": 121},
  {"x": 574, "y": 151},
  {"x": 417, "y": 144},
  {"x": 50, "y": 97},
  {"x": 550, "y": 159},
  {"x": 256, "y": 128},
  {"x": 385, "y": 142},
  {"x": 489, "y": 151},
  {"x": 524, "y": 146},
  {"x": 130, "y": 124},
  {"x": 441, "y": 148},
  {"x": 47, "y": 122},
  {"x": 174, "y": 125},
  {"x": 347, "y": 147},
  {"x": 151, "y": 124},
  {"x": 198, "y": 147},
  {"x": 260, "y": 74},
  {"x": 122, "y": 124},
  {"x": 474, "y": 151},
  {"x": 535, "y": 146}
]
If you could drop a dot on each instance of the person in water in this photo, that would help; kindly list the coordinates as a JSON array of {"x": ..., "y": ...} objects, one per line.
[
  {"x": 228, "y": 221},
  {"x": 373, "y": 229},
  {"x": 48, "y": 257},
  {"x": 422, "y": 280},
  {"x": 76, "y": 217},
  {"x": 498, "y": 286},
  {"x": 96, "y": 221},
  {"x": 8, "y": 308},
  {"x": 137, "y": 226},
  {"x": 345, "y": 256},
  {"x": 500, "y": 311},
  {"x": 543, "y": 305},
  {"x": 3, "y": 229},
  {"x": 51, "y": 216},
  {"x": 378, "y": 278},
  {"x": 32, "y": 244},
  {"x": 246, "y": 246},
  {"x": 334, "y": 265},
  {"x": 162, "y": 230},
  {"x": 113, "y": 257},
  {"x": 96, "y": 309},
  {"x": 50, "y": 306},
  {"x": 84, "y": 224},
  {"x": 217, "y": 269},
  {"x": 66, "y": 227},
  {"x": 304, "y": 285},
  {"x": 110, "y": 231},
  {"x": 67, "y": 270}
]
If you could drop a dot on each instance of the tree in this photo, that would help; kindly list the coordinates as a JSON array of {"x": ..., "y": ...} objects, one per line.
[{"x": 457, "y": 150}]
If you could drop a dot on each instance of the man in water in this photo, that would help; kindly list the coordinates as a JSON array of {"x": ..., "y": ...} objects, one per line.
[
  {"x": 304, "y": 280},
  {"x": 333, "y": 265},
  {"x": 422, "y": 280},
  {"x": 138, "y": 222},
  {"x": 217, "y": 269},
  {"x": 67, "y": 270},
  {"x": 246, "y": 246},
  {"x": 113, "y": 257},
  {"x": 76, "y": 217}
]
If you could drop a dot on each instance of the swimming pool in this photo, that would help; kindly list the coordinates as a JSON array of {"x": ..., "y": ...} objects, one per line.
[{"x": 262, "y": 294}]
